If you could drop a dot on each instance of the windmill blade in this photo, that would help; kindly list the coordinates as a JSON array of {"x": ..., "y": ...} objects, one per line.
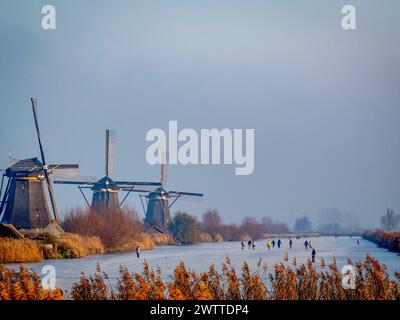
[
  {"x": 46, "y": 174},
  {"x": 11, "y": 159},
  {"x": 163, "y": 167},
  {"x": 4, "y": 199},
  {"x": 64, "y": 171},
  {"x": 110, "y": 152},
  {"x": 137, "y": 183},
  {"x": 190, "y": 199},
  {"x": 130, "y": 190},
  {"x": 1, "y": 185},
  {"x": 83, "y": 181},
  {"x": 185, "y": 196},
  {"x": 190, "y": 194},
  {"x": 136, "y": 190}
]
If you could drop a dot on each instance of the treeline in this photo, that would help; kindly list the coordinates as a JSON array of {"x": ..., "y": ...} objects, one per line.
[
  {"x": 187, "y": 229},
  {"x": 385, "y": 239}
]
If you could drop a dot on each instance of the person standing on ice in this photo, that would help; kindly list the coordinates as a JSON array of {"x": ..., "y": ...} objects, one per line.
[
  {"x": 306, "y": 245},
  {"x": 290, "y": 243},
  {"x": 138, "y": 251},
  {"x": 268, "y": 245},
  {"x": 273, "y": 243},
  {"x": 279, "y": 243},
  {"x": 242, "y": 245},
  {"x": 313, "y": 256}
]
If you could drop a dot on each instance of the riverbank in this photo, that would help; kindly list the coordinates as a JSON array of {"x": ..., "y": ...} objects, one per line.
[
  {"x": 52, "y": 243},
  {"x": 384, "y": 239},
  {"x": 63, "y": 246}
]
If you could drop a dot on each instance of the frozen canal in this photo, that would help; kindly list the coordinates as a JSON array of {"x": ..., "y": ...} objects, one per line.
[{"x": 199, "y": 257}]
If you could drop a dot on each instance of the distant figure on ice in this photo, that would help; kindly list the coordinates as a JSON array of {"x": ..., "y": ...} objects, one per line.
[
  {"x": 249, "y": 244},
  {"x": 279, "y": 243},
  {"x": 242, "y": 245},
  {"x": 358, "y": 242},
  {"x": 273, "y": 243},
  {"x": 313, "y": 256},
  {"x": 306, "y": 245},
  {"x": 290, "y": 243},
  {"x": 309, "y": 244},
  {"x": 253, "y": 245},
  {"x": 138, "y": 251},
  {"x": 269, "y": 244}
]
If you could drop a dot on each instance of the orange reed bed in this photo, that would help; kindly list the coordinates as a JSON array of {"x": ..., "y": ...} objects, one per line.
[{"x": 284, "y": 282}]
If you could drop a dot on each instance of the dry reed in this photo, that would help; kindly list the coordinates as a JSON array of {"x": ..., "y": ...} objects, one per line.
[
  {"x": 24, "y": 285},
  {"x": 19, "y": 251},
  {"x": 284, "y": 283}
]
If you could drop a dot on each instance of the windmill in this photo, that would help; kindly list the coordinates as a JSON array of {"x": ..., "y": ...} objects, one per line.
[
  {"x": 159, "y": 202},
  {"x": 29, "y": 186},
  {"x": 106, "y": 190}
]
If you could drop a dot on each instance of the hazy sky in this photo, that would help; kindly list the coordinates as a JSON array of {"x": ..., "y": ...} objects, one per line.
[{"x": 324, "y": 102}]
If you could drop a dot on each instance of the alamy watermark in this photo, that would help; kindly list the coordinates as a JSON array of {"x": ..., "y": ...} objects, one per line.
[
  {"x": 348, "y": 277},
  {"x": 349, "y": 21},
  {"x": 49, "y": 19},
  {"x": 187, "y": 146},
  {"x": 49, "y": 277}
]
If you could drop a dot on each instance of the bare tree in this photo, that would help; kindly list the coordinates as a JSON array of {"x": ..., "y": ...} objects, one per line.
[
  {"x": 212, "y": 222},
  {"x": 302, "y": 224},
  {"x": 390, "y": 220},
  {"x": 274, "y": 227}
]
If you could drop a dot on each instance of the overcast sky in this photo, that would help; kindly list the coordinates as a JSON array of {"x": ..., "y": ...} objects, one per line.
[{"x": 324, "y": 102}]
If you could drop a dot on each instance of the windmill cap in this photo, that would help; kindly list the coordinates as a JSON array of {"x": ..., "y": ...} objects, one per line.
[{"x": 105, "y": 183}]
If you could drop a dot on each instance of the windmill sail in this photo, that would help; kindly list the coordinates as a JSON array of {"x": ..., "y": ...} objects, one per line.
[
  {"x": 11, "y": 159},
  {"x": 66, "y": 171},
  {"x": 110, "y": 152},
  {"x": 46, "y": 174}
]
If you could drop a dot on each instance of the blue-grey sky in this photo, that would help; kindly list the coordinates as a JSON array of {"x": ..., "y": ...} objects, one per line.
[{"x": 324, "y": 102}]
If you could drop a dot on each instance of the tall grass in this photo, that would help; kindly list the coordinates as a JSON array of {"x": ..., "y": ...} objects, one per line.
[
  {"x": 19, "y": 251},
  {"x": 24, "y": 285},
  {"x": 70, "y": 245},
  {"x": 285, "y": 282},
  {"x": 65, "y": 245}
]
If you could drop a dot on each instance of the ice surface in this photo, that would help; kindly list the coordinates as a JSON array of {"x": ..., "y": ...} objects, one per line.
[{"x": 199, "y": 257}]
